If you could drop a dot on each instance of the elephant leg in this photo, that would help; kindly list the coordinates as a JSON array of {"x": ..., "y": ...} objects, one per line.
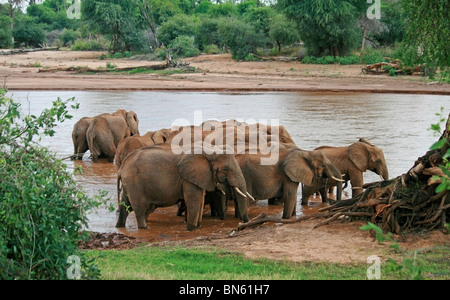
[
  {"x": 290, "y": 200},
  {"x": 307, "y": 191},
  {"x": 195, "y": 199},
  {"x": 122, "y": 218},
  {"x": 357, "y": 181}
]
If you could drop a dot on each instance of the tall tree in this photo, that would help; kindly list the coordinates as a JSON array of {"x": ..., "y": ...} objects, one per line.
[
  {"x": 428, "y": 32},
  {"x": 325, "y": 26}
]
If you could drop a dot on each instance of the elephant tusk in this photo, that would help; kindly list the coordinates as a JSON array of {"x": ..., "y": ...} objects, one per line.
[
  {"x": 239, "y": 192},
  {"x": 220, "y": 189},
  {"x": 337, "y": 179},
  {"x": 251, "y": 197}
]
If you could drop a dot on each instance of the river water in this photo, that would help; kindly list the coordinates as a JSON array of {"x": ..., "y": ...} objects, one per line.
[{"x": 396, "y": 123}]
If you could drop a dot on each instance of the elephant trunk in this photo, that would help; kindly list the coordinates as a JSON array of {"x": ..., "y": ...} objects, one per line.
[
  {"x": 241, "y": 196},
  {"x": 384, "y": 173}
]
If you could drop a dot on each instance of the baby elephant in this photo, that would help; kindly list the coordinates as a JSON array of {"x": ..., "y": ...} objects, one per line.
[{"x": 352, "y": 162}]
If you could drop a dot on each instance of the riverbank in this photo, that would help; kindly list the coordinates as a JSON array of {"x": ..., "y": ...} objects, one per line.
[{"x": 214, "y": 73}]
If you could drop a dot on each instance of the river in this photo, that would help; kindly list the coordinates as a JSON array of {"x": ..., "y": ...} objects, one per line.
[{"x": 398, "y": 124}]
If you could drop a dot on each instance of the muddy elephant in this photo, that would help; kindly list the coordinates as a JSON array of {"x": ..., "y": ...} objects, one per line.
[
  {"x": 352, "y": 162},
  {"x": 106, "y": 131},
  {"x": 154, "y": 176},
  {"x": 281, "y": 179},
  {"x": 128, "y": 145}
]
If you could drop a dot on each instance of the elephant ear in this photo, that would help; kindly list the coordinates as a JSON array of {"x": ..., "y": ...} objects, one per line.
[
  {"x": 297, "y": 167},
  {"x": 359, "y": 154},
  {"x": 132, "y": 122},
  {"x": 196, "y": 169}
]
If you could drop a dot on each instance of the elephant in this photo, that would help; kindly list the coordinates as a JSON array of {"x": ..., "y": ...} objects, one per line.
[
  {"x": 79, "y": 140},
  {"x": 154, "y": 176},
  {"x": 80, "y": 143},
  {"x": 128, "y": 145},
  {"x": 352, "y": 161},
  {"x": 281, "y": 179},
  {"x": 106, "y": 131}
]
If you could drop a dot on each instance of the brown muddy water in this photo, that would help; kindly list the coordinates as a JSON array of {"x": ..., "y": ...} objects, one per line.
[{"x": 398, "y": 124}]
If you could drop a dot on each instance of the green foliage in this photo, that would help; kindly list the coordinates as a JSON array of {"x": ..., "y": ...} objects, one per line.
[
  {"x": 184, "y": 46},
  {"x": 28, "y": 32},
  {"x": 89, "y": 45},
  {"x": 371, "y": 56},
  {"x": 427, "y": 32},
  {"x": 176, "y": 26},
  {"x": 325, "y": 26},
  {"x": 324, "y": 60},
  {"x": 5, "y": 32},
  {"x": 207, "y": 33},
  {"x": 69, "y": 36},
  {"x": 442, "y": 143},
  {"x": 282, "y": 31},
  {"x": 42, "y": 210},
  {"x": 380, "y": 236},
  {"x": 115, "y": 18},
  {"x": 240, "y": 37}
]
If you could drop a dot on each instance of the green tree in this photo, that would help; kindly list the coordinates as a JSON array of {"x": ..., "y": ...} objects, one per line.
[
  {"x": 325, "y": 26},
  {"x": 427, "y": 33},
  {"x": 178, "y": 25},
  {"x": 282, "y": 32},
  {"x": 240, "y": 37},
  {"x": 27, "y": 31},
  {"x": 42, "y": 210},
  {"x": 5, "y": 32},
  {"x": 115, "y": 18}
]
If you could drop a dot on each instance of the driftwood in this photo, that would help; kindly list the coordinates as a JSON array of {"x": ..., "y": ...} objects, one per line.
[
  {"x": 383, "y": 68},
  {"x": 168, "y": 63},
  {"x": 407, "y": 203},
  {"x": 18, "y": 51}
]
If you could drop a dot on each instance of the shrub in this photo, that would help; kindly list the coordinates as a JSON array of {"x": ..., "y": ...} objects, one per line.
[
  {"x": 183, "y": 46},
  {"x": 69, "y": 36},
  {"x": 371, "y": 56},
  {"x": 42, "y": 210},
  {"x": 88, "y": 45},
  {"x": 240, "y": 37},
  {"x": 211, "y": 49}
]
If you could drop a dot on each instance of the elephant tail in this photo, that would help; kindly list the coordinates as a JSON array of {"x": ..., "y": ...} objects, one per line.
[{"x": 93, "y": 147}]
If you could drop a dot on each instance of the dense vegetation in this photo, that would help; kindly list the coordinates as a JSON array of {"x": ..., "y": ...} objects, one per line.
[
  {"x": 42, "y": 209},
  {"x": 419, "y": 29}
]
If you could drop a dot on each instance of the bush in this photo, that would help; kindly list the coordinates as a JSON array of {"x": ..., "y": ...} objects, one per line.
[
  {"x": 183, "y": 46},
  {"x": 5, "y": 32},
  {"x": 371, "y": 56},
  {"x": 69, "y": 36},
  {"x": 326, "y": 60},
  {"x": 176, "y": 26},
  {"x": 240, "y": 37},
  {"x": 88, "y": 45},
  {"x": 211, "y": 49},
  {"x": 27, "y": 32},
  {"x": 42, "y": 210}
]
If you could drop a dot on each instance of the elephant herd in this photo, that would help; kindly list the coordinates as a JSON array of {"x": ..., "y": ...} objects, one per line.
[{"x": 216, "y": 162}]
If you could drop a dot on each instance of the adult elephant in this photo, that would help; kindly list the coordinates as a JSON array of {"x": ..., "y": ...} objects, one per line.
[
  {"x": 128, "y": 145},
  {"x": 352, "y": 161},
  {"x": 281, "y": 179},
  {"x": 106, "y": 131},
  {"x": 154, "y": 177}
]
